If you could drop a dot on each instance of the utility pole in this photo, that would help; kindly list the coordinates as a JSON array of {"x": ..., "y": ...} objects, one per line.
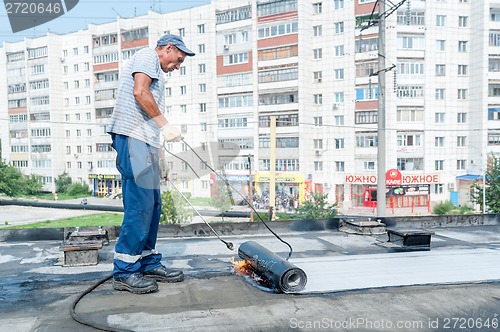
[
  {"x": 272, "y": 168},
  {"x": 381, "y": 151},
  {"x": 250, "y": 187}
]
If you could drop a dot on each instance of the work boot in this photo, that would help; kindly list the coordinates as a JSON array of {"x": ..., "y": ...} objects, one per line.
[
  {"x": 162, "y": 274},
  {"x": 135, "y": 283}
]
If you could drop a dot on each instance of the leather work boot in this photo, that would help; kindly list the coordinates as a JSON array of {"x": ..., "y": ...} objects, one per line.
[
  {"x": 135, "y": 283},
  {"x": 162, "y": 274}
]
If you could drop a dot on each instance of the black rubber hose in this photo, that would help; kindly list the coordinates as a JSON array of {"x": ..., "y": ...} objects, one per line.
[{"x": 74, "y": 315}]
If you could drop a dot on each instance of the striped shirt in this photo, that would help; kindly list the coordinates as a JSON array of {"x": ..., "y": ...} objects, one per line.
[{"x": 128, "y": 118}]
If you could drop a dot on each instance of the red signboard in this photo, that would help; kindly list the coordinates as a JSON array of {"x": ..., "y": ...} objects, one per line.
[{"x": 393, "y": 177}]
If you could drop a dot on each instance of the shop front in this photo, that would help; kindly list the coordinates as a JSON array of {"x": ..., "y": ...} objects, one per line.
[
  {"x": 287, "y": 184},
  {"x": 402, "y": 190},
  {"x": 105, "y": 185}
]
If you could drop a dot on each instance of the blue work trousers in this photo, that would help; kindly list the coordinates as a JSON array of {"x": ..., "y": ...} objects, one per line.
[{"x": 138, "y": 164}]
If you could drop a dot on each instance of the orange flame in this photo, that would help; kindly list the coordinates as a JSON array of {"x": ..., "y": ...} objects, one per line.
[{"x": 241, "y": 267}]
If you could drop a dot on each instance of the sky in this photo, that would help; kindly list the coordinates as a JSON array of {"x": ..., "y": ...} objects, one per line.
[{"x": 92, "y": 11}]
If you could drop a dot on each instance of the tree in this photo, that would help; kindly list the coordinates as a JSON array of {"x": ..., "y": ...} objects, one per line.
[
  {"x": 221, "y": 198},
  {"x": 11, "y": 180},
  {"x": 174, "y": 208},
  {"x": 492, "y": 190},
  {"x": 317, "y": 207},
  {"x": 13, "y": 183},
  {"x": 63, "y": 182}
]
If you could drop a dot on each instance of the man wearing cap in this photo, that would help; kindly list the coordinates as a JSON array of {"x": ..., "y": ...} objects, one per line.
[{"x": 136, "y": 127}]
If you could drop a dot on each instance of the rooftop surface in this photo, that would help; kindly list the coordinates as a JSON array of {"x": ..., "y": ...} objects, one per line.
[{"x": 353, "y": 284}]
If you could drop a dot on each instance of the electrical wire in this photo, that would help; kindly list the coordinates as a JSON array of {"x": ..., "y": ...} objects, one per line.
[
  {"x": 243, "y": 197},
  {"x": 79, "y": 319}
]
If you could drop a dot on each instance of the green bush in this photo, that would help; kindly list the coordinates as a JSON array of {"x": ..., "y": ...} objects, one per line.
[
  {"x": 77, "y": 189},
  {"x": 443, "y": 208}
]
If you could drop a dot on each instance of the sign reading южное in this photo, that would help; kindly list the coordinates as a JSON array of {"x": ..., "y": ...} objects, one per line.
[
  {"x": 393, "y": 177},
  {"x": 25, "y": 14}
]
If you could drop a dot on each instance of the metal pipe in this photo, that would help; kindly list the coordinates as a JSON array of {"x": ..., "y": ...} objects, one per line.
[{"x": 280, "y": 274}]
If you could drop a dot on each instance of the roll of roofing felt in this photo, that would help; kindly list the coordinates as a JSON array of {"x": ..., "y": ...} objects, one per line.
[{"x": 280, "y": 274}]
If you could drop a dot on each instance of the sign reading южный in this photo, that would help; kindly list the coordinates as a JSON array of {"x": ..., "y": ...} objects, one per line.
[{"x": 393, "y": 177}]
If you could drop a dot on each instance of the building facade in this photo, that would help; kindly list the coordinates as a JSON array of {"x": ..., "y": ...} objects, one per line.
[{"x": 311, "y": 65}]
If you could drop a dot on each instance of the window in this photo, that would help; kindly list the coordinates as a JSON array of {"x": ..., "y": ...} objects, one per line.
[
  {"x": 318, "y": 144},
  {"x": 233, "y": 59},
  {"x": 339, "y": 143},
  {"x": 318, "y": 99},
  {"x": 339, "y": 97},
  {"x": 201, "y": 28},
  {"x": 461, "y": 141},
  {"x": 86, "y": 49},
  {"x": 339, "y": 120},
  {"x": 440, "y": 70},
  {"x": 438, "y": 165},
  {"x": 339, "y": 166},
  {"x": 317, "y": 53},
  {"x": 77, "y": 84},
  {"x": 168, "y": 92},
  {"x": 203, "y": 107},
  {"x": 75, "y": 68},
  {"x": 318, "y": 121},
  {"x": 440, "y": 94},
  {"x": 439, "y": 141},
  {"x": 462, "y": 46},
  {"x": 339, "y": 50},
  {"x": 339, "y": 27},
  {"x": 318, "y": 166},
  {"x": 317, "y": 30},
  {"x": 409, "y": 140},
  {"x": 461, "y": 117},
  {"x": 462, "y": 94},
  {"x": 463, "y": 21},
  {"x": 440, "y": 20},
  {"x": 439, "y": 117},
  {"x": 201, "y": 48},
  {"x": 203, "y": 87},
  {"x": 339, "y": 73},
  {"x": 440, "y": 45},
  {"x": 368, "y": 165},
  {"x": 317, "y": 8},
  {"x": 182, "y": 32},
  {"x": 366, "y": 140},
  {"x": 202, "y": 68},
  {"x": 183, "y": 108},
  {"x": 361, "y": 117},
  {"x": 318, "y": 76},
  {"x": 338, "y": 4},
  {"x": 463, "y": 70},
  {"x": 37, "y": 69},
  {"x": 461, "y": 164},
  {"x": 183, "y": 90},
  {"x": 244, "y": 36},
  {"x": 410, "y": 114},
  {"x": 410, "y": 164},
  {"x": 438, "y": 188},
  {"x": 182, "y": 71},
  {"x": 408, "y": 41}
]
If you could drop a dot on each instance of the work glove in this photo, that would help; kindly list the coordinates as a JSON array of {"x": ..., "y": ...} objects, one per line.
[{"x": 171, "y": 133}]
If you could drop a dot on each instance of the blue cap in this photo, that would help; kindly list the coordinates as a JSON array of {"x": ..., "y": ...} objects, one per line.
[{"x": 176, "y": 41}]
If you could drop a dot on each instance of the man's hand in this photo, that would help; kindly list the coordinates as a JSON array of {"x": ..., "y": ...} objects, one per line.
[{"x": 171, "y": 133}]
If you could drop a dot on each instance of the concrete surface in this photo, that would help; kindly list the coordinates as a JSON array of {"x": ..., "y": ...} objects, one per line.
[{"x": 36, "y": 292}]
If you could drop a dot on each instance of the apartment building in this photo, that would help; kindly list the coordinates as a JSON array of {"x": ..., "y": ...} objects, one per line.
[{"x": 311, "y": 65}]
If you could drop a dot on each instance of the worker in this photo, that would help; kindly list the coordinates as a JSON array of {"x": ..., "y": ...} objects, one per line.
[{"x": 137, "y": 128}]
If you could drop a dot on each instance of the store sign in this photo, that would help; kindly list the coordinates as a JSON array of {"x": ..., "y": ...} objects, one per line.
[
  {"x": 103, "y": 176},
  {"x": 393, "y": 178},
  {"x": 237, "y": 178},
  {"x": 406, "y": 190}
]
